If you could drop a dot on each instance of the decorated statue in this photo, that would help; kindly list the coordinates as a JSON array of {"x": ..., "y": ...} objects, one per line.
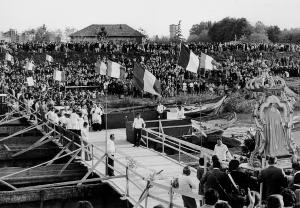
[{"x": 273, "y": 117}]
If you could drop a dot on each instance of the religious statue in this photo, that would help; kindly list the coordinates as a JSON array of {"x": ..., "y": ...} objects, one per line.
[{"x": 273, "y": 118}]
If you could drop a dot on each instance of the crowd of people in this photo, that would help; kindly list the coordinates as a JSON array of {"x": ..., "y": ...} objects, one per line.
[
  {"x": 233, "y": 187},
  {"x": 238, "y": 63}
]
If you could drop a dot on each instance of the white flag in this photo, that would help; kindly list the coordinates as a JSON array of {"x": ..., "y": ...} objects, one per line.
[
  {"x": 30, "y": 81},
  {"x": 29, "y": 66},
  {"x": 115, "y": 70},
  {"x": 103, "y": 68},
  {"x": 206, "y": 62},
  {"x": 8, "y": 57},
  {"x": 49, "y": 58},
  {"x": 59, "y": 76}
]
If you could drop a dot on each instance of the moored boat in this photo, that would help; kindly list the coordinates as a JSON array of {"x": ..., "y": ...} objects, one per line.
[
  {"x": 214, "y": 124},
  {"x": 205, "y": 109}
]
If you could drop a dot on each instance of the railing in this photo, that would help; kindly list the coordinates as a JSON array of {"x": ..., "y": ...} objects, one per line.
[
  {"x": 182, "y": 147},
  {"x": 72, "y": 144}
]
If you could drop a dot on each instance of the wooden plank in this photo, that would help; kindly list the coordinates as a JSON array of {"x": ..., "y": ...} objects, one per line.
[
  {"x": 38, "y": 143},
  {"x": 41, "y": 164},
  {"x": 68, "y": 163},
  {"x": 67, "y": 183},
  {"x": 60, "y": 153},
  {"x": 147, "y": 161},
  {"x": 21, "y": 132},
  {"x": 91, "y": 170},
  {"x": 52, "y": 193},
  {"x": 8, "y": 184},
  {"x": 13, "y": 119}
]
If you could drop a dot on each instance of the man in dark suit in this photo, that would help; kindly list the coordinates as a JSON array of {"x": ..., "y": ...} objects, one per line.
[
  {"x": 239, "y": 177},
  {"x": 272, "y": 178},
  {"x": 296, "y": 178},
  {"x": 218, "y": 180}
]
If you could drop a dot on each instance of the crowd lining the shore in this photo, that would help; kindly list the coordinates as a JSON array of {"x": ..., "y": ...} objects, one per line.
[{"x": 239, "y": 64}]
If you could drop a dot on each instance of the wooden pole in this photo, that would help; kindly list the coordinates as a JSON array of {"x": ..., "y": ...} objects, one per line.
[
  {"x": 171, "y": 196},
  {"x": 106, "y": 134},
  {"x": 179, "y": 154},
  {"x": 127, "y": 182},
  {"x": 91, "y": 170},
  {"x": 41, "y": 164},
  {"x": 146, "y": 201},
  {"x": 7, "y": 184},
  {"x": 67, "y": 183},
  {"x": 68, "y": 163}
]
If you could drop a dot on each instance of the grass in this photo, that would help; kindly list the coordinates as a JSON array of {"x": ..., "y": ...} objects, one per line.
[{"x": 239, "y": 102}]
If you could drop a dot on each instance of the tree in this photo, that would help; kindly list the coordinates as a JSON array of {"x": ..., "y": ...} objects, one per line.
[
  {"x": 41, "y": 34},
  {"x": 229, "y": 29},
  {"x": 141, "y": 30},
  {"x": 199, "y": 28},
  {"x": 202, "y": 37},
  {"x": 243, "y": 27},
  {"x": 69, "y": 30},
  {"x": 193, "y": 38},
  {"x": 274, "y": 33},
  {"x": 255, "y": 38},
  {"x": 162, "y": 39},
  {"x": 290, "y": 36},
  {"x": 260, "y": 28}
]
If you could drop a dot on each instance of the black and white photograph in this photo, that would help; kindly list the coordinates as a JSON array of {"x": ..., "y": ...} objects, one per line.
[{"x": 150, "y": 104}]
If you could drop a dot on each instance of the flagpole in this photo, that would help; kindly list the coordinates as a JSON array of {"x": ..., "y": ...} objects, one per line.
[{"x": 106, "y": 123}]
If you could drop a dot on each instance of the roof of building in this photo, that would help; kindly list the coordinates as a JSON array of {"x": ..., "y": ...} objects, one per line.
[{"x": 113, "y": 30}]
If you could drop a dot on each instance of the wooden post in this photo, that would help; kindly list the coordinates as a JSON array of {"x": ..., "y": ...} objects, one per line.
[
  {"x": 171, "y": 194},
  {"x": 42, "y": 196},
  {"x": 260, "y": 193},
  {"x": 91, "y": 170},
  {"x": 146, "y": 201},
  {"x": 68, "y": 163},
  {"x": 7, "y": 184},
  {"x": 179, "y": 152},
  {"x": 205, "y": 163},
  {"x": 127, "y": 182},
  {"x": 147, "y": 141},
  {"x": 163, "y": 145},
  {"x": 106, "y": 163}
]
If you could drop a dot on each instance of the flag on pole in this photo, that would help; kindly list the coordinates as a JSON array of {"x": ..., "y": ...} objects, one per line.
[
  {"x": 101, "y": 68},
  {"x": 29, "y": 66},
  {"x": 59, "y": 76},
  {"x": 206, "y": 62},
  {"x": 145, "y": 80},
  {"x": 188, "y": 60},
  {"x": 115, "y": 70},
  {"x": 49, "y": 58},
  {"x": 9, "y": 57},
  {"x": 30, "y": 81}
]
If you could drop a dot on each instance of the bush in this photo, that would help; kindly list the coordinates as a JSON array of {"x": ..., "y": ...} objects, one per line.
[{"x": 238, "y": 103}]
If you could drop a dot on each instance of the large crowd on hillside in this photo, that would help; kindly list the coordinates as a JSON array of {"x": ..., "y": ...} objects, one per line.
[{"x": 239, "y": 62}]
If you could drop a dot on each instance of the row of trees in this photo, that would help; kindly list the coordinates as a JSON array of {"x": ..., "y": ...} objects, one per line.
[
  {"x": 233, "y": 29},
  {"x": 42, "y": 34}
]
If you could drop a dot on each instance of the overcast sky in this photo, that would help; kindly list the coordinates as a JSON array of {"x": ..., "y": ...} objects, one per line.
[{"x": 154, "y": 16}]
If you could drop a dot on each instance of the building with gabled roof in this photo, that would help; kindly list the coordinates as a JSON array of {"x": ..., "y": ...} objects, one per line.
[{"x": 112, "y": 32}]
